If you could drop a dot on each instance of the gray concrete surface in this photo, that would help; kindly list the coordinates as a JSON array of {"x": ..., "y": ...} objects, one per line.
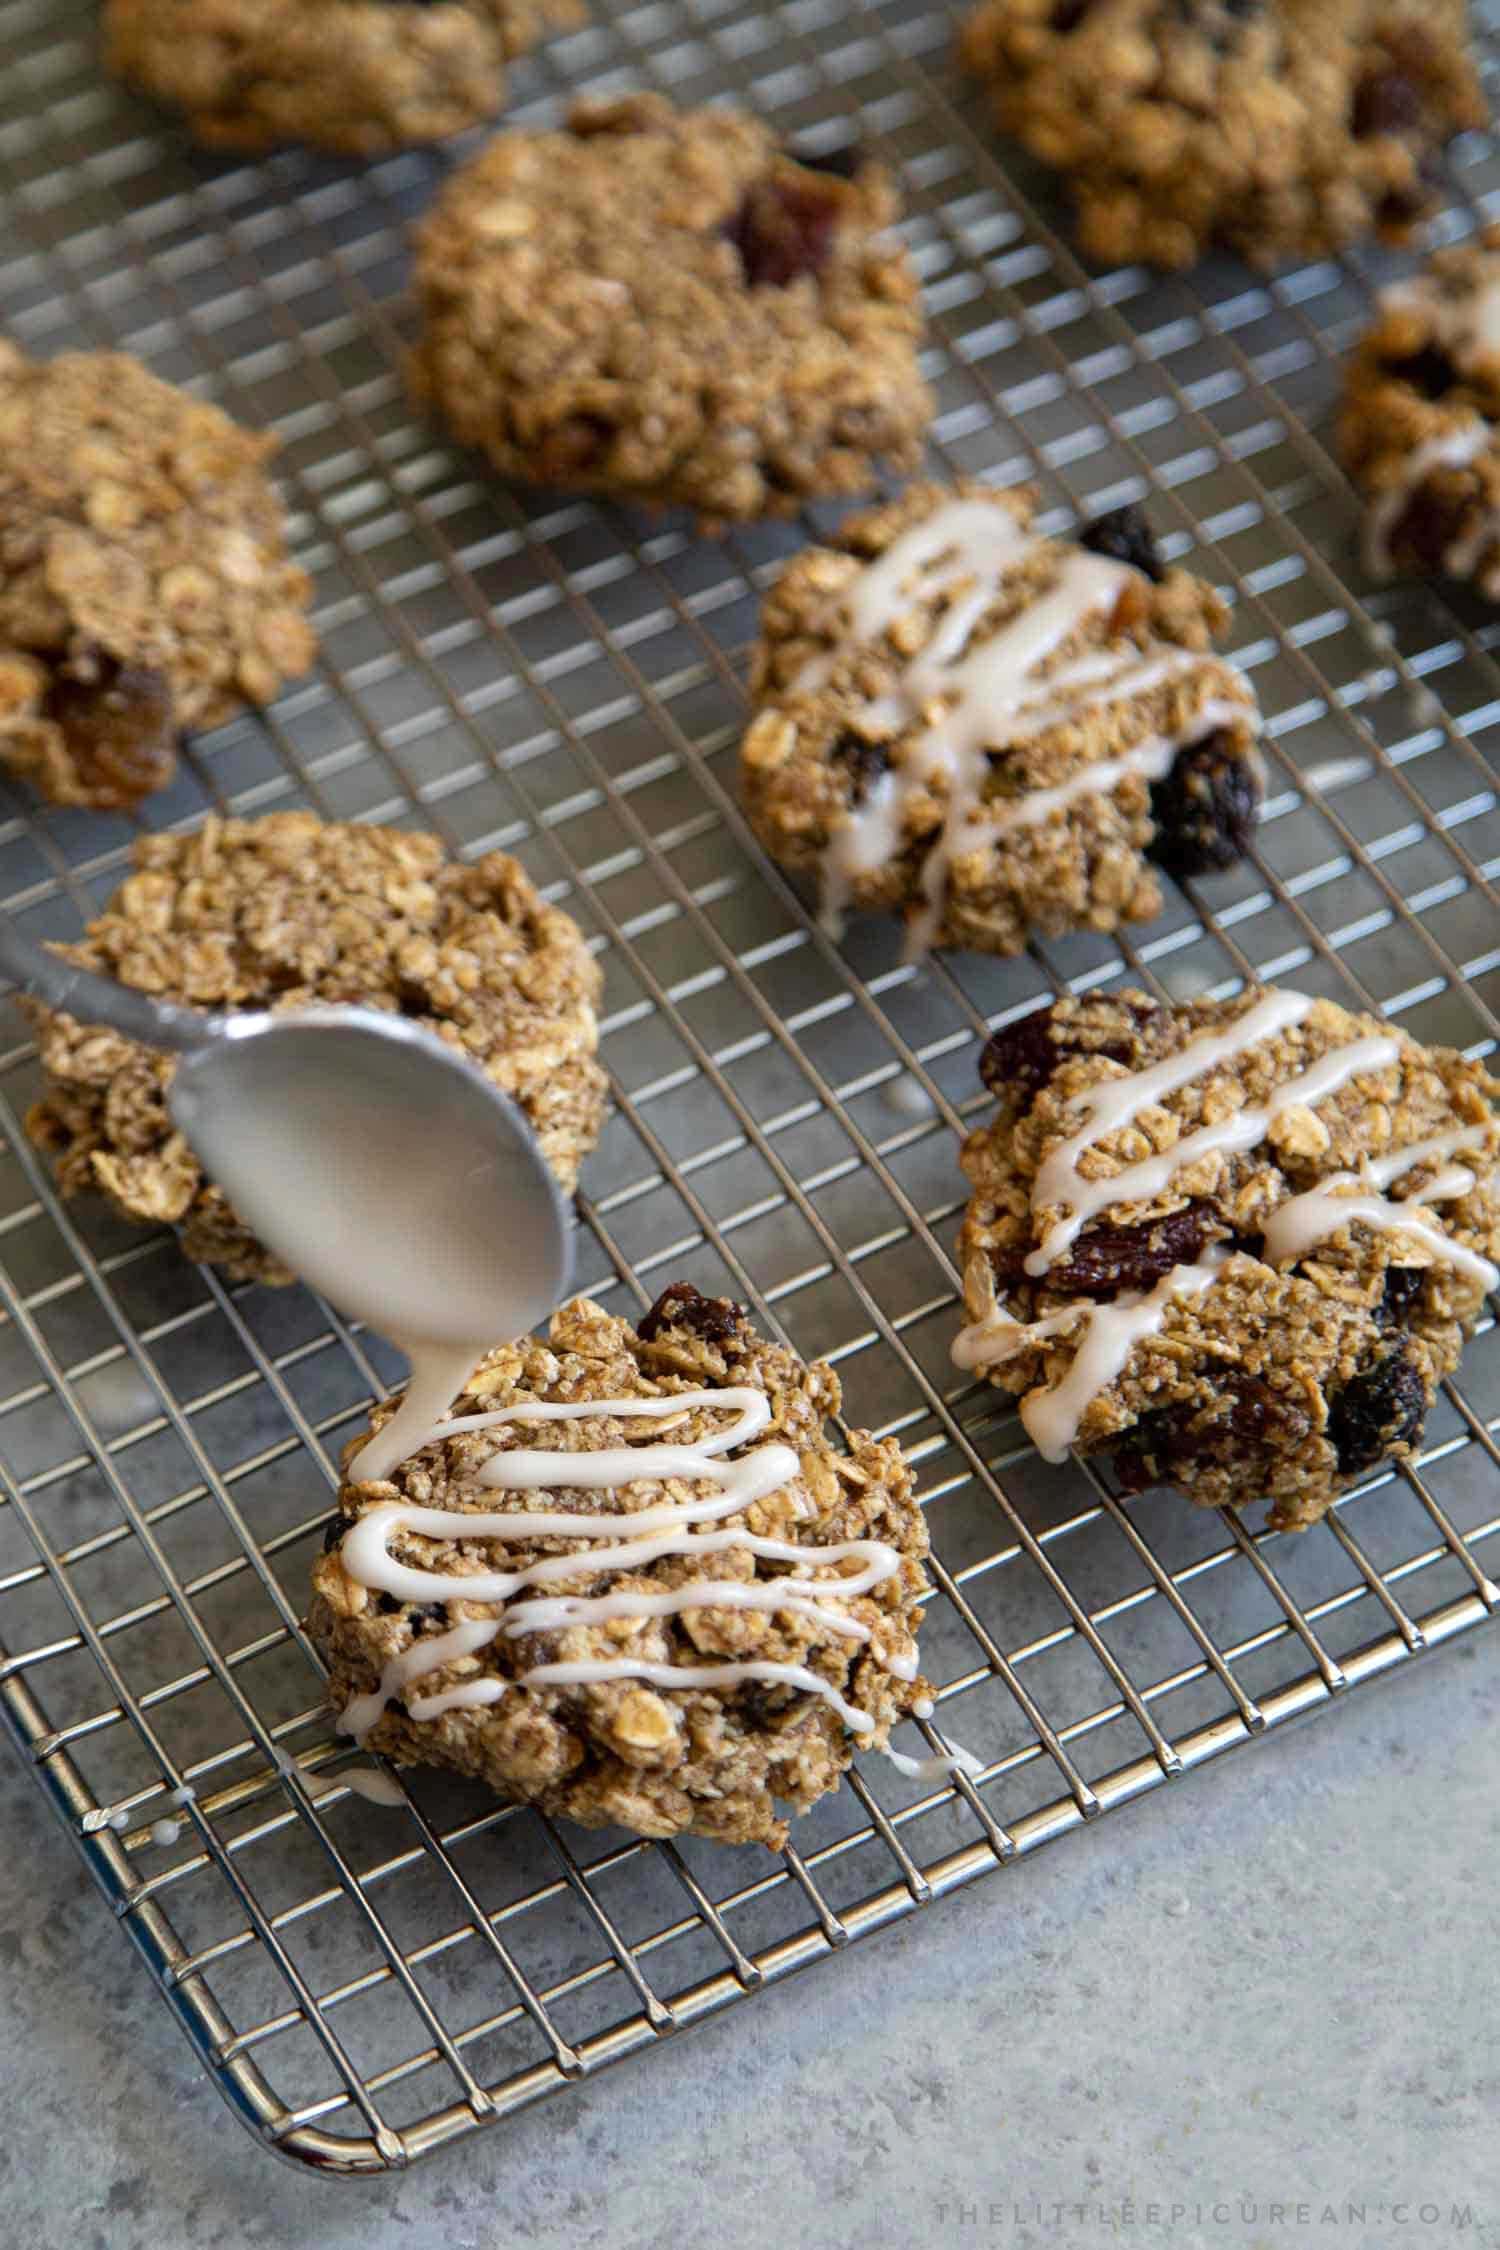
[{"x": 1267, "y": 1996}]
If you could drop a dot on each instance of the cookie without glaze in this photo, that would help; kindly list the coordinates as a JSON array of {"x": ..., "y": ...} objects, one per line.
[
  {"x": 667, "y": 307},
  {"x": 145, "y": 589},
  {"x": 1419, "y": 429},
  {"x": 284, "y": 912},
  {"x": 637, "y": 1753},
  {"x": 356, "y": 76},
  {"x": 1277, "y": 128},
  {"x": 1263, "y": 1311},
  {"x": 994, "y": 734}
]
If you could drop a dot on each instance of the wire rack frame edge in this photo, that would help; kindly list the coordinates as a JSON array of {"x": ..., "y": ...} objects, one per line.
[{"x": 1374, "y": 875}]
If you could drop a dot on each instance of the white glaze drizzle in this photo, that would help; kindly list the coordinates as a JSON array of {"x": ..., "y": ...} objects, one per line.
[
  {"x": 1303, "y": 1221},
  {"x": 988, "y": 1342},
  {"x": 362, "y": 1781},
  {"x": 994, "y": 694},
  {"x": 1242, "y": 1129},
  {"x": 1465, "y": 322},
  {"x": 438, "y": 1375},
  {"x": 1457, "y": 448},
  {"x": 953, "y": 1759},
  {"x": 429, "y": 1654},
  {"x": 375, "y": 1787},
  {"x": 1151, "y": 761},
  {"x": 627, "y": 1542},
  {"x": 1117, "y": 1101},
  {"x": 1051, "y": 1417},
  {"x": 1397, "y": 1162}
]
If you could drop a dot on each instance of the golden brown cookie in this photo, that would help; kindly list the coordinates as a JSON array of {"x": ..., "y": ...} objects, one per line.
[
  {"x": 145, "y": 589},
  {"x": 286, "y": 911},
  {"x": 627, "y": 1695},
  {"x": 1233, "y": 1244},
  {"x": 994, "y": 734},
  {"x": 669, "y": 306},
  {"x": 1278, "y": 128},
  {"x": 357, "y": 76}
]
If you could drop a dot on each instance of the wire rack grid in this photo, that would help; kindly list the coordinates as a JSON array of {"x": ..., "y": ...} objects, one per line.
[{"x": 564, "y": 680}]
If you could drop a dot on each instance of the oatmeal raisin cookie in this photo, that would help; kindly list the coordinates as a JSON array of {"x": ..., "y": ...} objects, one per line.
[
  {"x": 671, "y": 307},
  {"x": 356, "y": 76},
  {"x": 145, "y": 589},
  {"x": 1233, "y": 1244},
  {"x": 713, "y": 1757},
  {"x": 1278, "y": 128},
  {"x": 995, "y": 734}
]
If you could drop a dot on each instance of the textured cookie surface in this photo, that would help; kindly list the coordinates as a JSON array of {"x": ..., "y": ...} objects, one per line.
[
  {"x": 1279, "y": 128},
  {"x": 1234, "y": 1244},
  {"x": 666, "y": 306},
  {"x": 359, "y": 76},
  {"x": 286, "y": 911},
  {"x": 992, "y": 733},
  {"x": 714, "y": 1756},
  {"x": 144, "y": 584},
  {"x": 1420, "y": 426}
]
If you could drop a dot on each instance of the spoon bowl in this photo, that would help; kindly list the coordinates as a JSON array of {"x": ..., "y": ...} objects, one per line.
[
  {"x": 371, "y": 1157},
  {"x": 382, "y": 1167}
]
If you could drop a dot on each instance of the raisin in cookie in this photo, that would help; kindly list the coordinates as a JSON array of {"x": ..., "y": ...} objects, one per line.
[
  {"x": 668, "y": 306},
  {"x": 1235, "y": 1244},
  {"x": 1278, "y": 128},
  {"x": 992, "y": 733},
  {"x": 284, "y": 912},
  {"x": 735, "y": 1613},
  {"x": 358, "y": 76},
  {"x": 1420, "y": 427},
  {"x": 144, "y": 583}
]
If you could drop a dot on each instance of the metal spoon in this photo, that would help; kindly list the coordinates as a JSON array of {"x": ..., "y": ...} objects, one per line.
[{"x": 377, "y": 1163}]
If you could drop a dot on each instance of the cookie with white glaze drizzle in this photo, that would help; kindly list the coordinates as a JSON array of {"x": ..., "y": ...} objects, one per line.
[
  {"x": 1419, "y": 429},
  {"x": 1235, "y": 1245},
  {"x": 991, "y": 733},
  {"x": 682, "y": 1605}
]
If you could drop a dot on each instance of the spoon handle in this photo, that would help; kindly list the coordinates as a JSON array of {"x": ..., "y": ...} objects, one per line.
[{"x": 44, "y": 975}]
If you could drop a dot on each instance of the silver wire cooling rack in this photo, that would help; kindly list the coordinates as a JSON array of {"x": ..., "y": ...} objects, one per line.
[{"x": 563, "y": 680}]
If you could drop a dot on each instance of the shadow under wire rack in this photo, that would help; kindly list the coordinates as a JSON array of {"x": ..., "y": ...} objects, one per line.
[{"x": 564, "y": 680}]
